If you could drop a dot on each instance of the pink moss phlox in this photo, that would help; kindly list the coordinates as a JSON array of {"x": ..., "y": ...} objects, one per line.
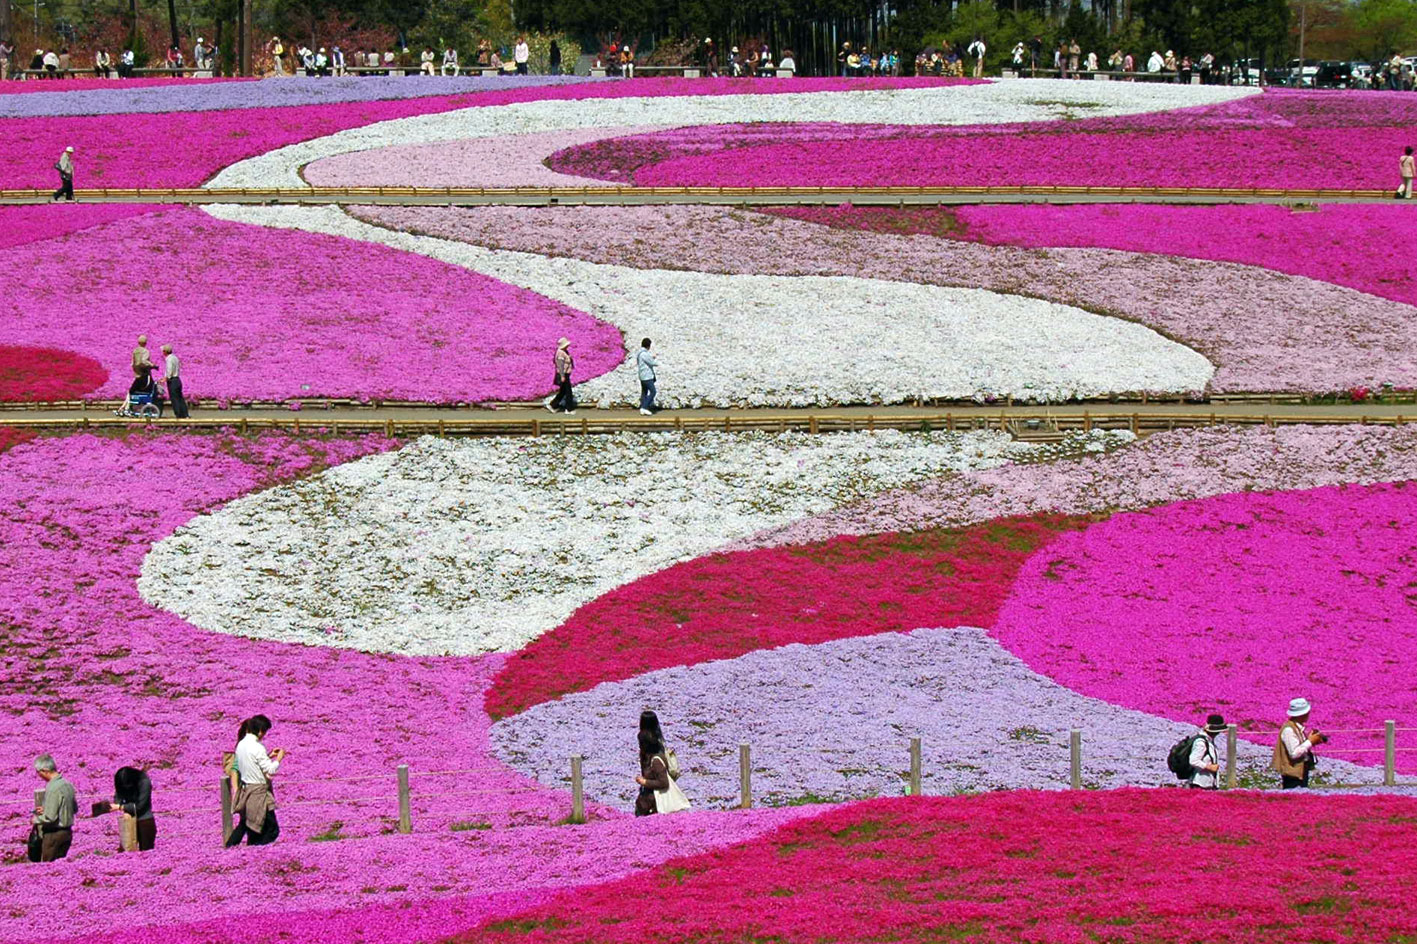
[
  {"x": 1234, "y": 604},
  {"x": 1123, "y": 866},
  {"x": 275, "y": 314},
  {"x": 45, "y": 374},
  {"x": 724, "y": 605}
]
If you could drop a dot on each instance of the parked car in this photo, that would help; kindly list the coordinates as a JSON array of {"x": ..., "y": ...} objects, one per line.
[
  {"x": 1333, "y": 74},
  {"x": 1302, "y": 77}
]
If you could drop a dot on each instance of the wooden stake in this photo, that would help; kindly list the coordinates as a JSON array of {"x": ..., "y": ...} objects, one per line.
[
  {"x": 577, "y": 791},
  {"x": 915, "y": 767},
  {"x": 745, "y": 777},
  {"x": 405, "y": 802},
  {"x": 226, "y": 802},
  {"x": 1075, "y": 752},
  {"x": 1231, "y": 735}
]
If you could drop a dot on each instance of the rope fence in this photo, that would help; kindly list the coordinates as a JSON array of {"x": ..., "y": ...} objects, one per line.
[{"x": 404, "y": 798}]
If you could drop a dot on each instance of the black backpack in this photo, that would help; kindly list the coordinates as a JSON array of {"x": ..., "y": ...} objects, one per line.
[{"x": 1178, "y": 761}]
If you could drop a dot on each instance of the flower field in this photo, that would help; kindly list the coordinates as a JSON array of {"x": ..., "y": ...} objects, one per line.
[{"x": 484, "y": 610}]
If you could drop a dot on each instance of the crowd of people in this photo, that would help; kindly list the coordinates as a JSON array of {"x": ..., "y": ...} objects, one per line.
[
  {"x": 335, "y": 61},
  {"x": 249, "y": 769},
  {"x": 757, "y": 61},
  {"x": 60, "y": 64}
]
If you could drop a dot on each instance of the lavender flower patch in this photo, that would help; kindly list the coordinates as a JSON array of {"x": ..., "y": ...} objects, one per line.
[{"x": 834, "y": 721}]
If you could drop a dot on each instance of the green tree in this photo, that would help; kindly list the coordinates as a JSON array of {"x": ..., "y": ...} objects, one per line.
[{"x": 1385, "y": 27}]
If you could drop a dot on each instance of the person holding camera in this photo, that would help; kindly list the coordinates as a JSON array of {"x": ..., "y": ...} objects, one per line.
[
  {"x": 255, "y": 802},
  {"x": 54, "y": 818},
  {"x": 1294, "y": 752}
]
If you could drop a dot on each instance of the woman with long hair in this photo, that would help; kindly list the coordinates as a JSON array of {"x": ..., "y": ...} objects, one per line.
[
  {"x": 654, "y": 767},
  {"x": 255, "y": 801}
]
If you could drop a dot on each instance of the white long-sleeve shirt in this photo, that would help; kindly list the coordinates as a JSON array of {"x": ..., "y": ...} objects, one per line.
[
  {"x": 1203, "y": 754},
  {"x": 1296, "y": 741},
  {"x": 172, "y": 367},
  {"x": 522, "y": 53},
  {"x": 253, "y": 763}
]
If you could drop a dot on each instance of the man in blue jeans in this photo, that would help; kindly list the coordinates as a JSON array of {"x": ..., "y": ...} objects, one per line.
[{"x": 645, "y": 364}]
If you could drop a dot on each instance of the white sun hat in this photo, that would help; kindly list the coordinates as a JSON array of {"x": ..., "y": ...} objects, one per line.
[{"x": 1298, "y": 707}]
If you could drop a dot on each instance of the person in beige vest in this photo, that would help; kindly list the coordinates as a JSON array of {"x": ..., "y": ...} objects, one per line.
[{"x": 1294, "y": 751}]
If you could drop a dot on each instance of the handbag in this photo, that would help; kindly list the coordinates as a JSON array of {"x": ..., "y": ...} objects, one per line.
[
  {"x": 672, "y": 800},
  {"x": 35, "y": 845}
]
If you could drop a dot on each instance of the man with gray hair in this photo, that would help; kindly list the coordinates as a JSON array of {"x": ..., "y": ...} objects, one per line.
[{"x": 55, "y": 817}]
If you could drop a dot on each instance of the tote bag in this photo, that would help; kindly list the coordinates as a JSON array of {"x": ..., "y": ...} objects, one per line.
[{"x": 671, "y": 800}]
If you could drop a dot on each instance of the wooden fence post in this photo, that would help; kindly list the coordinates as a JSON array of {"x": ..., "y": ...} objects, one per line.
[
  {"x": 577, "y": 791},
  {"x": 1389, "y": 753},
  {"x": 915, "y": 767},
  {"x": 226, "y": 802},
  {"x": 745, "y": 777},
  {"x": 405, "y": 802},
  {"x": 1231, "y": 737},
  {"x": 1075, "y": 753}
]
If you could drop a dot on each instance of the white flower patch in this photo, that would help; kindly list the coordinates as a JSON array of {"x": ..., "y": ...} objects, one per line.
[
  {"x": 462, "y": 547},
  {"x": 732, "y": 340},
  {"x": 993, "y": 103}
]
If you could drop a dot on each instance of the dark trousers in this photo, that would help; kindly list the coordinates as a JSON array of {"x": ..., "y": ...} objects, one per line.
[
  {"x": 267, "y": 835},
  {"x": 564, "y": 399},
  {"x": 147, "y": 834},
  {"x": 174, "y": 393},
  {"x": 55, "y": 844},
  {"x": 66, "y": 187},
  {"x": 521, "y": 68},
  {"x": 1295, "y": 783},
  {"x": 647, "y": 394}
]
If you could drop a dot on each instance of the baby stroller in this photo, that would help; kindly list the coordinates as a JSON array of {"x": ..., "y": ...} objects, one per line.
[{"x": 144, "y": 400}]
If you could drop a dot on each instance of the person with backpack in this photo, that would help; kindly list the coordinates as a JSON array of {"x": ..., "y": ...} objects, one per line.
[
  {"x": 645, "y": 365},
  {"x": 977, "y": 50},
  {"x": 1204, "y": 758},
  {"x": 1196, "y": 759},
  {"x": 65, "y": 166},
  {"x": 1294, "y": 751}
]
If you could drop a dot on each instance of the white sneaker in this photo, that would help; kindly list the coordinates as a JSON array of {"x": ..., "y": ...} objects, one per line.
[
  {"x": 570, "y": 412},
  {"x": 549, "y": 407},
  {"x": 646, "y": 413}
]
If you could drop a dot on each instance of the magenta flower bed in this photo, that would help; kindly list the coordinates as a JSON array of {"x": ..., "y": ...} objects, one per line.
[
  {"x": 1164, "y": 867},
  {"x": 37, "y": 373},
  {"x": 259, "y": 314},
  {"x": 31, "y": 224},
  {"x": 1280, "y": 139},
  {"x": 1236, "y": 603}
]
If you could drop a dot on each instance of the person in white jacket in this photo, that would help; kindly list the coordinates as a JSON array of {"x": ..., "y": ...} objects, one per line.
[
  {"x": 426, "y": 60},
  {"x": 977, "y": 50},
  {"x": 645, "y": 366},
  {"x": 521, "y": 55},
  {"x": 1205, "y": 756},
  {"x": 450, "y": 61}
]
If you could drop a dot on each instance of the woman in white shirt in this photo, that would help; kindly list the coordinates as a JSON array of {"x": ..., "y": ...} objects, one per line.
[{"x": 254, "y": 800}]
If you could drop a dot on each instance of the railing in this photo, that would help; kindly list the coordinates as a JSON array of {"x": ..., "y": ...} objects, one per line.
[
  {"x": 403, "y": 797},
  {"x": 1017, "y": 423}
]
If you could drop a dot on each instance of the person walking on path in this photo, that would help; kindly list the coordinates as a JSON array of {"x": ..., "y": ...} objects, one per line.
[
  {"x": 645, "y": 364},
  {"x": 1294, "y": 751},
  {"x": 658, "y": 791},
  {"x": 55, "y": 816},
  {"x": 133, "y": 797},
  {"x": 255, "y": 802},
  {"x": 1407, "y": 167},
  {"x": 172, "y": 370},
  {"x": 1205, "y": 756},
  {"x": 564, "y": 400},
  {"x": 65, "y": 166}
]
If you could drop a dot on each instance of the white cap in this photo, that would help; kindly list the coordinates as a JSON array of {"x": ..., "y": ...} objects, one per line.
[
  {"x": 69, "y": 150},
  {"x": 1298, "y": 707}
]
